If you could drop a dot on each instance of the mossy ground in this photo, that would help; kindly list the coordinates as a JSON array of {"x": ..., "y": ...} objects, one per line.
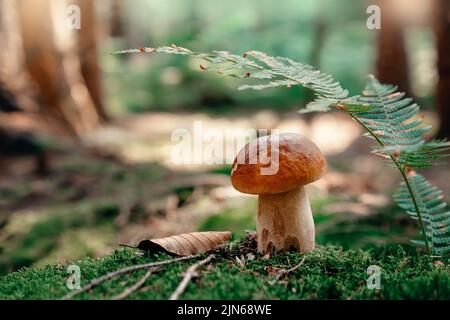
[{"x": 327, "y": 273}]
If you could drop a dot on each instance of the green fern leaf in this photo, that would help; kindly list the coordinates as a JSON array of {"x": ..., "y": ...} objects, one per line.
[
  {"x": 271, "y": 84},
  {"x": 418, "y": 156},
  {"x": 349, "y": 105},
  {"x": 319, "y": 105},
  {"x": 426, "y": 155},
  {"x": 433, "y": 210},
  {"x": 393, "y": 118},
  {"x": 279, "y": 71}
]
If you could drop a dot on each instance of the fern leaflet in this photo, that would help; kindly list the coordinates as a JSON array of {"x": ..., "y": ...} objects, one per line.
[
  {"x": 279, "y": 71},
  {"x": 433, "y": 209},
  {"x": 393, "y": 118}
]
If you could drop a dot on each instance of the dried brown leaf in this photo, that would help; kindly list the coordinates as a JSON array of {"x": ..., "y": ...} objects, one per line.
[{"x": 187, "y": 243}]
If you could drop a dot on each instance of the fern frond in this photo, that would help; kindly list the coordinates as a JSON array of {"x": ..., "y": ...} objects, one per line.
[
  {"x": 319, "y": 105},
  {"x": 276, "y": 71},
  {"x": 350, "y": 105},
  {"x": 321, "y": 83},
  {"x": 393, "y": 118},
  {"x": 426, "y": 155},
  {"x": 418, "y": 156},
  {"x": 271, "y": 84},
  {"x": 433, "y": 210}
]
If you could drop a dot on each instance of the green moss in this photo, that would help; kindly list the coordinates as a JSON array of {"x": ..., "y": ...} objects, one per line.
[{"x": 327, "y": 273}]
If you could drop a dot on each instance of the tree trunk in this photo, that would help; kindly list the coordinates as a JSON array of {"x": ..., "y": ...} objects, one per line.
[
  {"x": 442, "y": 32},
  {"x": 392, "y": 60},
  {"x": 319, "y": 37},
  {"x": 15, "y": 90},
  {"x": 116, "y": 19},
  {"x": 88, "y": 54},
  {"x": 53, "y": 65}
]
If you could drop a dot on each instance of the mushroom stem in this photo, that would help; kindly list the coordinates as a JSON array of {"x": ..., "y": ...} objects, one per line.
[{"x": 285, "y": 222}]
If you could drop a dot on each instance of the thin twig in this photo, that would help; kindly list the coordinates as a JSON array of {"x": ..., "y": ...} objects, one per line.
[
  {"x": 284, "y": 272},
  {"x": 401, "y": 265},
  {"x": 190, "y": 273},
  {"x": 135, "y": 286},
  {"x": 289, "y": 262},
  {"x": 122, "y": 271},
  {"x": 127, "y": 246}
]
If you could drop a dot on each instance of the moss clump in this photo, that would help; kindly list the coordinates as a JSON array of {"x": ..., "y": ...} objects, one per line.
[{"x": 327, "y": 273}]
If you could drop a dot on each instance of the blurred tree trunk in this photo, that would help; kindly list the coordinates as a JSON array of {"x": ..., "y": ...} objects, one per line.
[
  {"x": 52, "y": 63},
  {"x": 88, "y": 54},
  {"x": 318, "y": 41},
  {"x": 16, "y": 93},
  {"x": 442, "y": 32},
  {"x": 392, "y": 59},
  {"x": 116, "y": 18},
  {"x": 319, "y": 35}
]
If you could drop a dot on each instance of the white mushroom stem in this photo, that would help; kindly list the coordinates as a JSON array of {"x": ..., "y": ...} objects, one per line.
[{"x": 285, "y": 222}]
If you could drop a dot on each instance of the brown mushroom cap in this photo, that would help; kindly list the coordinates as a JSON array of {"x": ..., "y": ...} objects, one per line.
[{"x": 300, "y": 162}]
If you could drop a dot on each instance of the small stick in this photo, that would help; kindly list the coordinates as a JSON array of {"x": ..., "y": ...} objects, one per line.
[
  {"x": 125, "y": 270},
  {"x": 135, "y": 286},
  {"x": 289, "y": 262},
  {"x": 190, "y": 273},
  {"x": 401, "y": 265},
  {"x": 284, "y": 272},
  {"x": 127, "y": 246}
]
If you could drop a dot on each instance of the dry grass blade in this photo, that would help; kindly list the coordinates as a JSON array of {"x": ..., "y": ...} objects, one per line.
[
  {"x": 190, "y": 273},
  {"x": 283, "y": 272},
  {"x": 186, "y": 243}
]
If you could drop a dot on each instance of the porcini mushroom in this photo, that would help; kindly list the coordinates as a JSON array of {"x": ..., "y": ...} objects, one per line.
[{"x": 284, "y": 220}]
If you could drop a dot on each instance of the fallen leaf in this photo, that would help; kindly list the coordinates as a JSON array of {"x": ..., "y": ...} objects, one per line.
[{"x": 187, "y": 243}]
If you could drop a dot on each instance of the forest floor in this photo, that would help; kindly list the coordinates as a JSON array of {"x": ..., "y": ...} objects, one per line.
[
  {"x": 126, "y": 189},
  {"x": 326, "y": 273}
]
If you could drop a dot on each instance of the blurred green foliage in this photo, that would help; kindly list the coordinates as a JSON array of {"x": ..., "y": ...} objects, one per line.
[
  {"x": 321, "y": 33},
  {"x": 331, "y": 35}
]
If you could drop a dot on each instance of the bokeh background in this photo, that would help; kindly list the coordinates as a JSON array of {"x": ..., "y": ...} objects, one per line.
[{"x": 85, "y": 136}]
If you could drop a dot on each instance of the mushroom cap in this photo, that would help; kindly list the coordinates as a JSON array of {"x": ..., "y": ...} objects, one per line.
[{"x": 300, "y": 162}]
